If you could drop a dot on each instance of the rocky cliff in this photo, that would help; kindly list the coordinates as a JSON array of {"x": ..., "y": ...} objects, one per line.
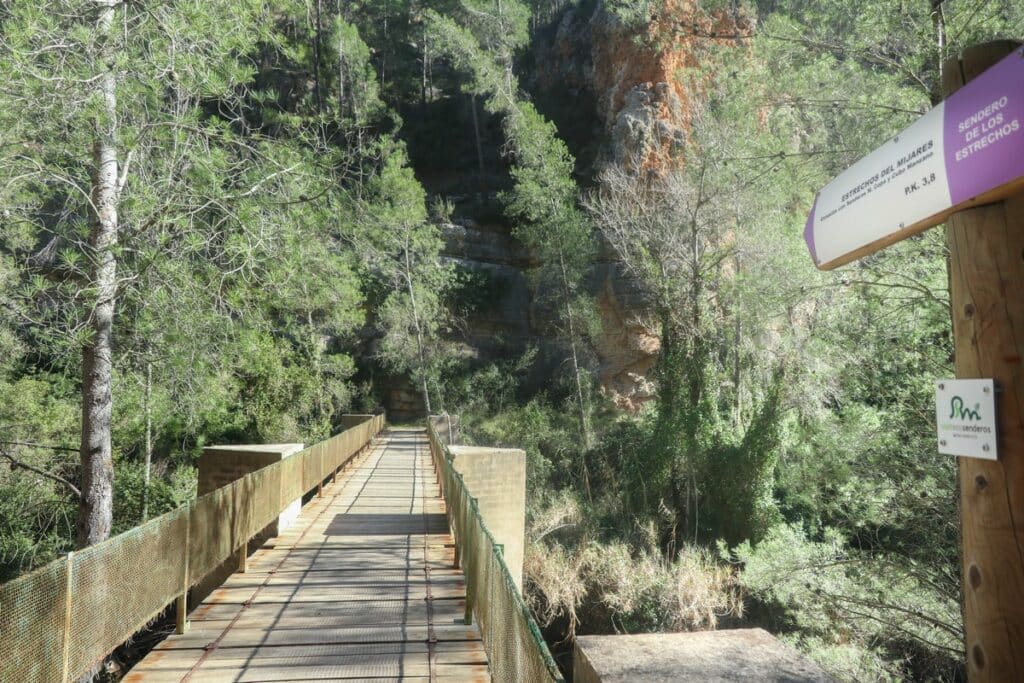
[
  {"x": 620, "y": 91},
  {"x": 507, "y": 316}
]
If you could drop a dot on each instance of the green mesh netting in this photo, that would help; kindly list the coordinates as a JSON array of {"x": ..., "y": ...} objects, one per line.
[
  {"x": 104, "y": 594},
  {"x": 515, "y": 649}
]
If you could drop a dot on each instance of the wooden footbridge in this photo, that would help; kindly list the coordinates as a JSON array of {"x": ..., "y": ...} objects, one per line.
[
  {"x": 361, "y": 587},
  {"x": 388, "y": 573}
]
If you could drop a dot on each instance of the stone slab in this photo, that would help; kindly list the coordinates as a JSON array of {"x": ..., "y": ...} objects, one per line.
[{"x": 707, "y": 656}]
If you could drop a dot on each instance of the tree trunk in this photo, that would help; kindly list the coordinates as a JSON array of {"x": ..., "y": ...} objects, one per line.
[
  {"x": 581, "y": 403},
  {"x": 939, "y": 24},
  {"x": 149, "y": 440},
  {"x": 341, "y": 75},
  {"x": 423, "y": 71},
  {"x": 419, "y": 333},
  {"x": 96, "y": 504},
  {"x": 476, "y": 136},
  {"x": 736, "y": 357},
  {"x": 318, "y": 30},
  {"x": 316, "y": 353}
]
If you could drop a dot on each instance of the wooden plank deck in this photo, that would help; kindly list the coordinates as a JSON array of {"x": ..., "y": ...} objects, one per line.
[{"x": 343, "y": 594}]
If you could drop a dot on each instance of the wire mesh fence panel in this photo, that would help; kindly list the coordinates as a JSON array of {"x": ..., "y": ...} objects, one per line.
[
  {"x": 310, "y": 469},
  {"x": 210, "y": 532},
  {"x": 291, "y": 477},
  {"x": 515, "y": 649},
  {"x": 482, "y": 604},
  {"x": 242, "y": 512},
  {"x": 119, "y": 585},
  {"x": 345, "y": 450},
  {"x": 332, "y": 459},
  {"x": 32, "y": 625},
  {"x": 497, "y": 619},
  {"x": 516, "y": 655},
  {"x": 261, "y": 498},
  {"x": 111, "y": 590}
]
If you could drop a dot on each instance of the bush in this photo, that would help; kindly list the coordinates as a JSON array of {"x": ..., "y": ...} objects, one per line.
[
  {"x": 865, "y": 617},
  {"x": 615, "y": 587},
  {"x": 167, "y": 491}
]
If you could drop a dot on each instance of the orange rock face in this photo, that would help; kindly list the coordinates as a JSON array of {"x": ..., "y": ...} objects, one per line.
[
  {"x": 645, "y": 78},
  {"x": 651, "y": 74},
  {"x": 646, "y": 81}
]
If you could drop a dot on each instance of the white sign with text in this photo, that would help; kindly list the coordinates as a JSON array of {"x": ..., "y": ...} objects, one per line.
[
  {"x": 968, "y": 150},
  {"x": 965, "y": 413}
]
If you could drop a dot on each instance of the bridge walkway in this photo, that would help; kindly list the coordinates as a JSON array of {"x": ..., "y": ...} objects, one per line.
[{"x": 361, "y": 587}]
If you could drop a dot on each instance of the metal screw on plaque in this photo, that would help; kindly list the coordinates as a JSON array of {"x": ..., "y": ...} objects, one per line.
[
  {"x": 985, "y": 389},
  {"x": 942, "y": 442},
  {"x": 942, "y": 385},
  {"x": 984, "y": 447}
]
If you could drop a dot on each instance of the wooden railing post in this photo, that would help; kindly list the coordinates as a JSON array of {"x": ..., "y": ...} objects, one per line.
[
  {"x": 468, "y": 616},
  {"x": 181, "y": 602},
  {"x": 65, "y": 674},
  {"x": 986, "y": 256}
]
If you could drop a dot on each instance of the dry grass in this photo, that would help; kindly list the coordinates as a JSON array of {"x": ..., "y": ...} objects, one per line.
[{"x": 614, "y": 588}]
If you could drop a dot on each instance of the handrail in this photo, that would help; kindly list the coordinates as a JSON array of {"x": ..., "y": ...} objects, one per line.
[
  {"x": 61, "y": 620},
  {"x": 511, "y": 656}
]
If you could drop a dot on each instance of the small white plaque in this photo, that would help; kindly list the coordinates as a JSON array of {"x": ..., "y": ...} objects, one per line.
[{"x": 965, "y": 413}]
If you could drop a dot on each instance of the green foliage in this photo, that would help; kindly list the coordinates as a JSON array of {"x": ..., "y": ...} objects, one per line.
[
  {"x": 247, "y": 159},
  {"x": 167, "y": 491},
  {"x": 36, "y": 515},
  {"x": 540, "y": 429},
  {"x": 837, "y": 599},
  {"x": 401, "y": 253}
]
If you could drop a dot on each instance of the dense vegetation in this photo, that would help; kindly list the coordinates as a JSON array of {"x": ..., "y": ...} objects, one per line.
[{"x": 217, "y": 227}]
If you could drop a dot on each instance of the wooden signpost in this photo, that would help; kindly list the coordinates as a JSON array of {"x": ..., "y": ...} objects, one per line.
[{"x": 963, "y": 163}]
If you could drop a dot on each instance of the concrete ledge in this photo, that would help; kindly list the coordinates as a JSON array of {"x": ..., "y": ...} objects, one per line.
[
  {"x": 706, "y": 656},
  {"x": 221, "y": 465},
  {"x": 496, "y": 477}
]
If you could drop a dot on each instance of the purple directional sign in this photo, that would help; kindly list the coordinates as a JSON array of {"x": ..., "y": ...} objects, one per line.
[{"x": 967, "y": 150}]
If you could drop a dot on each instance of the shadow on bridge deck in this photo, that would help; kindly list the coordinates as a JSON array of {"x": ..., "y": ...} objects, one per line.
[{"x": 360, "y": 588}]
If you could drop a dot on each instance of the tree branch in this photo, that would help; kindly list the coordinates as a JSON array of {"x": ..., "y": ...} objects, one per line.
[
  {"x": 32, "y": 444},
  {"x": 124, "y": 172},
  {"x": 43, "y": 473}
]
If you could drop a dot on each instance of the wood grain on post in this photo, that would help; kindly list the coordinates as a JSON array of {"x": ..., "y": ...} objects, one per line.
[
  {"x": 69, "y": 568},
  {"x": 986, "y": 280},
  {"x": 181, "y": 602}
]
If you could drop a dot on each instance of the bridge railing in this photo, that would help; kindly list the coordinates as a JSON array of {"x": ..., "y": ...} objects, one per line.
[
  {"x": 60, "y": 621},
  {"x": 516, "y": 651}
]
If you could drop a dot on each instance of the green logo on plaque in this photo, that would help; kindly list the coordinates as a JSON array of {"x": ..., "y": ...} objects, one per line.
[{"x": 960, "y": 411}]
